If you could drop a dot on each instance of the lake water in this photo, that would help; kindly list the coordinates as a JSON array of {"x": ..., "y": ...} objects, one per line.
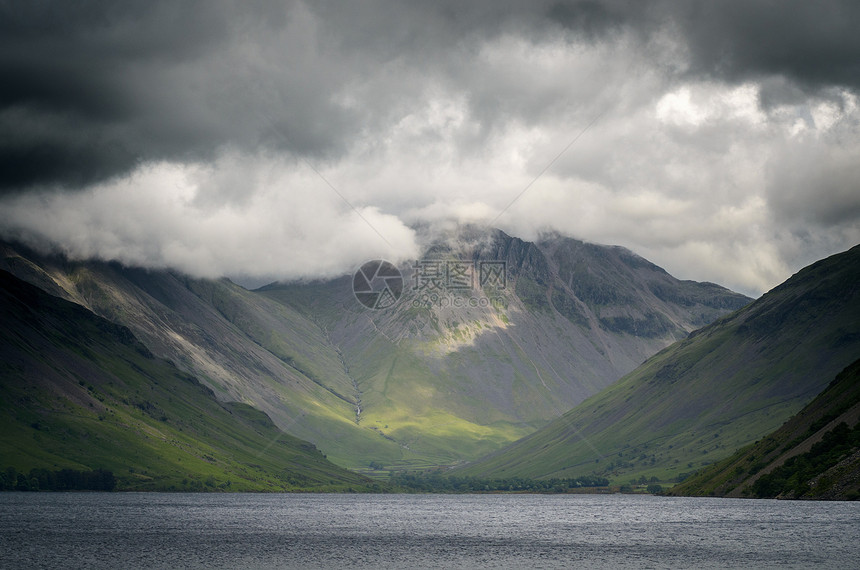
[{"x": 161, "y": 530}]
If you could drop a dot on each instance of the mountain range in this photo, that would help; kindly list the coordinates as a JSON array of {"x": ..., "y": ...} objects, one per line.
[{"x": 459, "y": 366}]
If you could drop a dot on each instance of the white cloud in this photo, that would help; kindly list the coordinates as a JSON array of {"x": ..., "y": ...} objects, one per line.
[{"x": 291, "y": 225}]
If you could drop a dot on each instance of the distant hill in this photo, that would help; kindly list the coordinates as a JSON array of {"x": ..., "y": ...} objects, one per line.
[
  {"x": 79, "y": 392},
  {"x": 815, "y": 455},
  {"x": 696, "y": 402},
  {"x": 420, "y": 384}
]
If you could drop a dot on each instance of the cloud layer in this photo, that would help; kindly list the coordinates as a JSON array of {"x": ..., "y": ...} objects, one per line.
[{"x": 298, "y": 139}]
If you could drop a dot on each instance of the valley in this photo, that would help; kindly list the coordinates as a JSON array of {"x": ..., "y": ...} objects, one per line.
[{"x": 419, "y": 385}]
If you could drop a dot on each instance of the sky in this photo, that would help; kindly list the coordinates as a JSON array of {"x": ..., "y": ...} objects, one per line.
[{"x": 267, "y": 140}]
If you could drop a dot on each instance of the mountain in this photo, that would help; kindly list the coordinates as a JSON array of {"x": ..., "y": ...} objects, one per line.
[
  {"x": 697, "y": 401},
  {"x": 79, "y": 392},
  {"x": 491, "y": 338},
  {"x": 569, "y": 319},
  {"x": 815, "y": 455}
]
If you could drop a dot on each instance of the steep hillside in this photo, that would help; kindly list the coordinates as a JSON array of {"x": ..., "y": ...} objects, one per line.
[
  {"x": 700, "y": 399},
  {"x": 446, "y": 374},
  {"x": 815, "y": 455},
  {"x": 78, "y": 392},
  {"x": 244, "y": 347}
]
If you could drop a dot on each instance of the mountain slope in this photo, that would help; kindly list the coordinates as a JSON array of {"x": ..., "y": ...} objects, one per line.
[
  {"x": 79, "y": 392},
  {"x": 238, "y": 343},
  {"x": 421, "y": 383},
  {"x": 700, "y": 399},
  {"x": 816, "y": 454}
]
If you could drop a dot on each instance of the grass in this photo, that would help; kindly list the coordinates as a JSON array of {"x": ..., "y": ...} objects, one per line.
[{"x": 744, "y": 472}]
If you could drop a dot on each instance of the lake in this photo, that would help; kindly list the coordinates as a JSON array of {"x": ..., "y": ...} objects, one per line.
[{"x": 178, "y": 530}]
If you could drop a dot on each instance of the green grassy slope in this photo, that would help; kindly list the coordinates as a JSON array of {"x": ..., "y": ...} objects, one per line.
[
  {"x": 79, "y": 392},
  {"x": 700, "y": 399},
  {"x": 244, "y": 346},
  {"x": 745, "y": 473}
]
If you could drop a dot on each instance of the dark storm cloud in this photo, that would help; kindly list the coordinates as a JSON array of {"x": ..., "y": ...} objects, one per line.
[
  {"x": 814, "y": 44},
  {"x": 93, "y": 89}
]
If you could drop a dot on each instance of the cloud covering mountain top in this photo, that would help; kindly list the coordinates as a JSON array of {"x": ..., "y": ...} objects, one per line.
[{"x": 298, "y": 139}]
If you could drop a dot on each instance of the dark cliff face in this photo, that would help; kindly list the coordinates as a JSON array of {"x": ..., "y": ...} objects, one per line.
[{"x": 626, "y": 293}]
